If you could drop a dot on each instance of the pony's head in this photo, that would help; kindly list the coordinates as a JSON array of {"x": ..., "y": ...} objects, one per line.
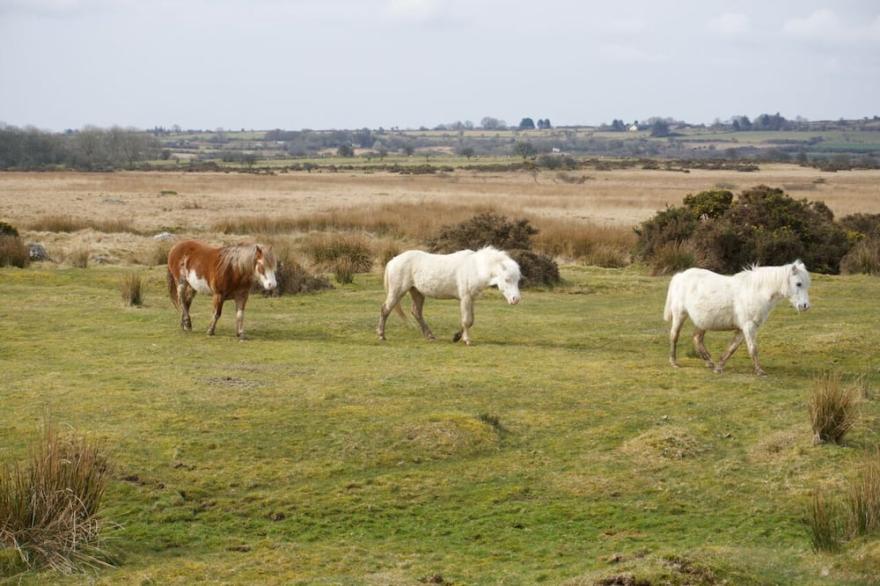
[
  {"x": 504, "y": 274},
  {"x": 798, "y": 280},
  {"x": 264, "y": 266}
]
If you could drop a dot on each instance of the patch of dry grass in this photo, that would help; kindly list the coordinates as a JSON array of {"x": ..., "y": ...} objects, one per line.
[
  {"x": 131, "y": 288},
  {"x": 863, "y": 497},
  {"x": 78, "y": 257},
  {"x": 68, "y": 223},
  {"x": 833, "y": 408},
  {"x": 13, "y": 252},
  {"x": 49, "y": 505}
]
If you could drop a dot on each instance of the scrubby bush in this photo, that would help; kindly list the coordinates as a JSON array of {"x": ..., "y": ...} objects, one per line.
[
  {"x": 672, "y": 258},
  {"x": 867, "y": 225},
  {"x": 767, "y": 227},
  {"x": 763, "y": 225},
  {"x": 7, "y": 229},
  {"x": 674, "y": 225},
  {"x": 709, "y": 204},
  {"x": 79, "y": 258},
  {"x": 515, "y": 237},
  {"x": 484, "y": 229},
  {"x": 833, "y": 408},
  {"x": 537, "y": 269},
  {"x": 863, "y": 258},
  {"x": 131, "y": 289},
  {"x": 49, "y": 505},
  {"x": 293, "y": 278}
]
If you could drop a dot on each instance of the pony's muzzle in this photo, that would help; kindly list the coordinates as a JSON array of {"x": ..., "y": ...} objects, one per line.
[
  {"x": 803, "y": 306},
  {"x": 514, "y": 300}
]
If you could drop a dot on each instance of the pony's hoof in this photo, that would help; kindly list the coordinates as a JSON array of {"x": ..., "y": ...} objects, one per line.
[
  {"x": 710, "y": 365},
  {"x": 674, "y": 364},
  {"x": 381, "y": 338},
  {"x": 717, "y": 370},
  {"x": 456, "y": 337},
  {"x": 760, "y": 372}
]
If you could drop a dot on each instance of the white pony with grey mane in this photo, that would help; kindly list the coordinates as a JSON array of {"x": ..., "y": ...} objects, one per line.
[
  {"x": 741, "y": 302},
  {"x": 461, "y": 275}
]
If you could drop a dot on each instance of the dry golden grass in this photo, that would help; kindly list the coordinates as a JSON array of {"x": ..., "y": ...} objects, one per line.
[
  {"x": 68, "y": 223},
  {"x": 834, "y": 408},
  {"x": 578, "y": 219}
]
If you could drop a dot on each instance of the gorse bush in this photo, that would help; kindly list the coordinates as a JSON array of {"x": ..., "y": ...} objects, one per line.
[
  {"x": 833, "y": 408},
  {"x": 7, "y": 229},
  {"x": 763, "y": 225},
  {"x": 536, "y": 269},
  {"x": 485, "y": 229},
  {"x": 49, "y": 505}
]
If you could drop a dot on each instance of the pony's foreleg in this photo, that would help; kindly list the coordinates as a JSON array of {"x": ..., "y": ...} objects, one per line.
[
  {"x": 240, "y": 303},
  {"x": 218, "y": 309},
  {"x": 701, "y": 347},
  {"x": 734, "y": 344},
  {"x": 418, "y": 306},
  {"x": 183, "y": 302},
  {"x": 750, "y": 332},
  {"x": 467, "y": 320},
  {"x": 677, "y": 323}
]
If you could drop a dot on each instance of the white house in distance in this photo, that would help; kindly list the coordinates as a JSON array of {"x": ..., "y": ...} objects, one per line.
[{"x": 634, "y": 127}]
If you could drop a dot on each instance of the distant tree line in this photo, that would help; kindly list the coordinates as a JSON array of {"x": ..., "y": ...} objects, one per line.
[{"x": 90, "y": 148}]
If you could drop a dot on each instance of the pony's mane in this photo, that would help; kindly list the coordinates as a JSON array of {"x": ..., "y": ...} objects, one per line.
[
  {"x": 494, "y": 255},
  {"x": 776, "y": 276},
  {"x": 242, "y": 257}
]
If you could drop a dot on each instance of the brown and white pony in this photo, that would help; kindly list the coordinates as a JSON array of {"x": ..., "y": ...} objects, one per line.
[{"x": 225, "y": 273}]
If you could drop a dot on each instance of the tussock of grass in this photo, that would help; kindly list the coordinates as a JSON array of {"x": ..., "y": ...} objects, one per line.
[
  {"x": 13, "y": 252},
  {"x": 863, "y": 258},
  {"x": 823, "y": 523},
  {"x": 339, "y": 252},
  {"x": 665, "y": 443},
  {"x": 833, "y": 408},
  {"x": 159, "y": 254},
  {"x": 604, "y": 246},
  {"x": 863, "y": 497},
  {"x": 49, "y": 505},
  {"x": 68, "y": 223},
  {"x": 132, "y": 290},
  {"x": 79, "y": 258}
]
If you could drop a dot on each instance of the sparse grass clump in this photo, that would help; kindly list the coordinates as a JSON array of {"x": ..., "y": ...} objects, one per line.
[
  {"x": 13, "y": 252},
  {"x": 823, "y": 523},
  {"x": 833, "y": 408},
  {"x": 343, "y": 270},
  {"x": 68, "y": 223},
  {"x": 49, "y": 505},
  {"x": 79, "y": 258},
  {"x": 346, "y": 252},
  {"x": 132, "y": 290},
  {"x": 863, "y": 497}
]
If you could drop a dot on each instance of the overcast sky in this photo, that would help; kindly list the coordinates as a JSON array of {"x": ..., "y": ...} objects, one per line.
[{"x": 350, "y": 63}]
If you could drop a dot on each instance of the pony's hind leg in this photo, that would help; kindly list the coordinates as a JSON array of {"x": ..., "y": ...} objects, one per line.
[
  {"x": 392, "y": 301},
  {"x": 675, "y": 330},
  {"x": 700, "y": 347},
  {"x": 467, "y": 320},
  {"x": 418, "y": 306},
  {"x": 734, "y": 344},
  {"x": 218, "y": 309},
  {"x": 750, "y": 332},
  {"x": 185, "y": 295}
]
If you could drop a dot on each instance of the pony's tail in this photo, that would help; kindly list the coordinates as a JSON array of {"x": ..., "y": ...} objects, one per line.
[
  {"x": 172, "y": 289},
  {"x": 397, "y": 308},
  {"x": 667, "y": 310}
]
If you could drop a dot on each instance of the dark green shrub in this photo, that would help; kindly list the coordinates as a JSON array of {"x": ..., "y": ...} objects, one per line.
[
  {"x": 767, "y": 227},
  {"x": 13, "y": 252},
  {"x": 673, "y": 225},
  {"x": 865, "y": 224},
  {"x": 7, "y": 229},
  {"x": 711, "y": 204},
  {"x": 536, "y": 269},
  {"x": 485, "y": 229}
]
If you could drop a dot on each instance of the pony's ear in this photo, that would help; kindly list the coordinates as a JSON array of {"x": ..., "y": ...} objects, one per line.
[{"x": 259, "y": 250}]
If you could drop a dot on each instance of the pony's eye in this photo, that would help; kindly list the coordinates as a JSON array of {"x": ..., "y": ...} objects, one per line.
[{"x": 799, "y": 284}]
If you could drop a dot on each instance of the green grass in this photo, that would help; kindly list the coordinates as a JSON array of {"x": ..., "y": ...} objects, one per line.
[{"x": 314, "y": 454}]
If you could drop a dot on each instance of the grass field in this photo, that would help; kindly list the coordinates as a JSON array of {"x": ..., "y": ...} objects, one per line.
[{"x": 561, "y": 448}]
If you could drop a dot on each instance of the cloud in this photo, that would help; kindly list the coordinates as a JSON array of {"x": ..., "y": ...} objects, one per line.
[
  {"x": 823, "y": 25},
  {"x": 418, "y": 11},
  {"x": 629, "y": 54},
  {"x": 730, "y": 24}
]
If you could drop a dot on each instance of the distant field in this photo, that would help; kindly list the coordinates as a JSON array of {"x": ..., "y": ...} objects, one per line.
[
  {"x": 560, "y": 449},
  {"x": 193, "y": 202}
]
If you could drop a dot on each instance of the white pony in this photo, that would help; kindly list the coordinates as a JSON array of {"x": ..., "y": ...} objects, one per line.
[
  {"x": 460, "y": 275},
  {"x": 741, "y": 302}
]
